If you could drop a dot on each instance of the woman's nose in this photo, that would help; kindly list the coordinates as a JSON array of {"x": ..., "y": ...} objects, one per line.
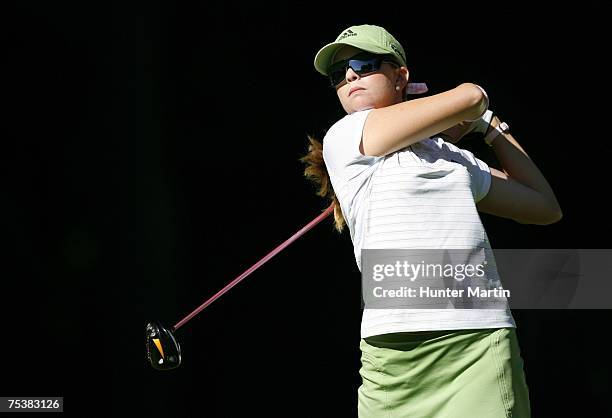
[{"x": 351, "y": 75}]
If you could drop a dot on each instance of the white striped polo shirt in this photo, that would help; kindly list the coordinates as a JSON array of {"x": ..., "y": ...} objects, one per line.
[{"x": 421, "y": 197}]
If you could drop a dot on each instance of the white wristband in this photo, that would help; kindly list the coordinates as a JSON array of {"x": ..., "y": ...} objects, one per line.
[{"x": 502, "y": 128}]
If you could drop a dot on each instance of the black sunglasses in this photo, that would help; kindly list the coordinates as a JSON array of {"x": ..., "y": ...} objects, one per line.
[{"x": 362, "y": 64}]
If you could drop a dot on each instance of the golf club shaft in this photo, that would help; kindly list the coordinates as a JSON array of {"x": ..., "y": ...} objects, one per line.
[{"x": 272, "y": 253}]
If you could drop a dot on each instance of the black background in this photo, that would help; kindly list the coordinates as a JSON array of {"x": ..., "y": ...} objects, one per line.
[{"x": 151, "y": 156}]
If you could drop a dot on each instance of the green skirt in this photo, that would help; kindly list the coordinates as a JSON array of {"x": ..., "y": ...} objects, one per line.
[{"x": 476, "y": 373}]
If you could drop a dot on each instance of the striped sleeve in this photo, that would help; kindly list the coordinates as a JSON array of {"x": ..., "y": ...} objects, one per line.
[
  {"x": 480, "y": 173},
  {"x": 341, "y": 153}
]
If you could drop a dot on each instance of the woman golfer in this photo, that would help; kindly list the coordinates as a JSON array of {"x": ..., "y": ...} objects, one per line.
[{"x": 399, "y": 182}]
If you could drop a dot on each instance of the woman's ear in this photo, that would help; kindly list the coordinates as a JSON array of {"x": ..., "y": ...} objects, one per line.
[{"x": 402, "y": 77}]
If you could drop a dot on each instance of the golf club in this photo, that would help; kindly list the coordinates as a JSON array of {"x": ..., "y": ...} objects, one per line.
[{"x": 164, "y": 351}]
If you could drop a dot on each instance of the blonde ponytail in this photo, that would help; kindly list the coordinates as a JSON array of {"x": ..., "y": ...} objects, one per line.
[{"x": 316, "y": 171}]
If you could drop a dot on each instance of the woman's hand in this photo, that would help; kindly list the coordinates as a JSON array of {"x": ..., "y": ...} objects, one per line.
[{"x": 455, "y": 133}]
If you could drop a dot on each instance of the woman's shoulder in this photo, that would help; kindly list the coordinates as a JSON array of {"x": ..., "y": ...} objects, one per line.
[{"x": 349, "y": 121}]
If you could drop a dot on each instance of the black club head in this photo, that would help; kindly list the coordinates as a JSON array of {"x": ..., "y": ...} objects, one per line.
[{"x": 163, "y": 351}]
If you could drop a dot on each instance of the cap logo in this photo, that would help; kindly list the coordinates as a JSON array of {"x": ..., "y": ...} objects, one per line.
[{"x": 346, "y": 34}]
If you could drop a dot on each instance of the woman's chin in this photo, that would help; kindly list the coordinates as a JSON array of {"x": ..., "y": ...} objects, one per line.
[{"x": 359, "y": 105}]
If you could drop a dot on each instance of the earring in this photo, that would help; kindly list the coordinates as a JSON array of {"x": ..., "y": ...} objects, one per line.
[{"x": 396, "y": 88}]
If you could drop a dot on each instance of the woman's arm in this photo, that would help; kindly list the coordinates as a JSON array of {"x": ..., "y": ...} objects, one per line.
[
  {"x": 519, "y": 192},
  {"x": 392, "y": 128}
]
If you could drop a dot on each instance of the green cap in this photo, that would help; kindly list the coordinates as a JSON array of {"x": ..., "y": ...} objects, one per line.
[{"x": 366, "y": 37}]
